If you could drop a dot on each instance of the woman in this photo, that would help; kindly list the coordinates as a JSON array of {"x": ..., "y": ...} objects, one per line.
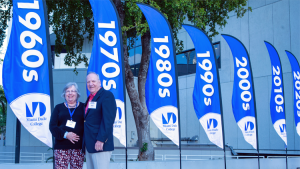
[{"x": 66, "y": 125}]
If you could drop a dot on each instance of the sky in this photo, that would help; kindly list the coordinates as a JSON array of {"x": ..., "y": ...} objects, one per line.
[{"x": 4, "y": 47}]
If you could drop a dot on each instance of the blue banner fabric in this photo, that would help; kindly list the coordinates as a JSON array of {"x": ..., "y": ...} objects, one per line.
[
  {"x": 25, "y": 69},
  {"x": 296, "y": 83},
  {"x": 277, "y": 108},
  {"x": 206, "y": 96},
  {"x": 243, "y": 105},
  {"x": 107, "y": 58},
  {"x": 161, "y": 90}
]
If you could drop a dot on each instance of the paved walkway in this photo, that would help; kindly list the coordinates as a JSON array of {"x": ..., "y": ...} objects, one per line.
[{"x": 271, "y": 163}]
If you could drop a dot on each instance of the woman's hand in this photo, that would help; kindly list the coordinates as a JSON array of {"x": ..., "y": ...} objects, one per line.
[{"x": 72, "y": 137}]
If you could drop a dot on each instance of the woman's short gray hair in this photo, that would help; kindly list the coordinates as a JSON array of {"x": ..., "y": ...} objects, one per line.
[{"x": 68, "y": 85}]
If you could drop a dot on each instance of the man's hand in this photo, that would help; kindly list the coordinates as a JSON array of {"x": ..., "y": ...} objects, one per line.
[
  {"x": 99, "y": 146},
  {"x": 72, "y": 137}
]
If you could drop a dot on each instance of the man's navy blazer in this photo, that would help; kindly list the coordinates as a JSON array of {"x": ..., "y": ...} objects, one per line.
[{"x": 98, "y": 122}]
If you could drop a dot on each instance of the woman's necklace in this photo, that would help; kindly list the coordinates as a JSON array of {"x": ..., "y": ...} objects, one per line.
[{"x": 71, "y": 106}]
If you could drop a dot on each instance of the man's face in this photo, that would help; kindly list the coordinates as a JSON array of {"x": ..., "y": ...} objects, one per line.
[{"x": 93, "y": 83}]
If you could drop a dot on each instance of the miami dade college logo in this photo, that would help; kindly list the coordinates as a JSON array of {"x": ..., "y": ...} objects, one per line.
[
  {"x": 249, "y": 126},
  {"x": 212, "y": 123},
  {"x": 282, "y": 128},
  {"x": 36, "y": 108},
  {"x": 118, "y": 121},
  {"x": 168, "y": 120},
  {"x": 34, "y": 113},
  {"x": 119, "y": 115},
  {"x": 212, "y": 126},
  {"x": 171, "y": 117}
]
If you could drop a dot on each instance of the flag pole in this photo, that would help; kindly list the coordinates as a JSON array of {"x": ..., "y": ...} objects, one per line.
[
  {"x": 254, "y": 100},
  {"x": 49, "y": 66},
  {"x": 18, "y": 141},
  {"x": 221, "y": 106}
]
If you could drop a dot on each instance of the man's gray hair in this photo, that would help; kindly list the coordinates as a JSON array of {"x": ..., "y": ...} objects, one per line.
[
  {"x": 93, "y": 73},
  {"x": 68, "y": 85}
]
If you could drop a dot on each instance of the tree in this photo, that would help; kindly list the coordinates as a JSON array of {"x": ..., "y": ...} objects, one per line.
[
  {"x": 72, "y": 22},
  {"x": 3, "y": 112},
  {"x": 5, "y": 7}
]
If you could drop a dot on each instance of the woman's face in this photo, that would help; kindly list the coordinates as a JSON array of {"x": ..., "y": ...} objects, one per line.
[{"x": 71, "y": 95}]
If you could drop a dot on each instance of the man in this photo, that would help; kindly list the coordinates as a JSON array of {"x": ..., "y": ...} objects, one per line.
[{"x": 100, "y": 113}]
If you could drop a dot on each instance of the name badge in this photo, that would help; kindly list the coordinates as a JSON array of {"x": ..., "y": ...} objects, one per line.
[
  {"x": 71, "y": 124},
  {"x": 92, "y": 105}
]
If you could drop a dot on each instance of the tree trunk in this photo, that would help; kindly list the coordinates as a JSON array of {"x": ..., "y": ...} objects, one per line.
[
  {"x": 138, "y": 104},
  {"x": 144, "y": 115},
  {"x": 3, "y": 128}
]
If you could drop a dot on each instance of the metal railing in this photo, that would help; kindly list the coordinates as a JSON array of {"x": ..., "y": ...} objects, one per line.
[
  {"x": 132, "y": 157},
  {"x": 7, "y": 157},
  {"x": 47, "y": 155},
  {"x": 29, "y": 157},
  {"x": 243, "y": 157},
  {"x": 283, "y": 156},
  {"x": 168, "y": 157}
]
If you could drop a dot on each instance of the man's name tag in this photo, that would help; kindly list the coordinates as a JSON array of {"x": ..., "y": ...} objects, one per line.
[
  {"x": 92, "y": 105},
  {"x": 71, "y": 124}
]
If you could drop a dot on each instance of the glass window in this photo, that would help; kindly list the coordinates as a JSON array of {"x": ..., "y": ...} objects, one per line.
[
  {"x": 137, "y": 55},
  {"x": 181, "y": 64},
  {"x": 186, "y": 63},
  {"x": 131, "y": 57},
  {"x": 186, "y": 60},
  {"x": 190, "y": 55},
  {"x": 181, "y": 58},
  {"x": 192, "y": 60}
]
